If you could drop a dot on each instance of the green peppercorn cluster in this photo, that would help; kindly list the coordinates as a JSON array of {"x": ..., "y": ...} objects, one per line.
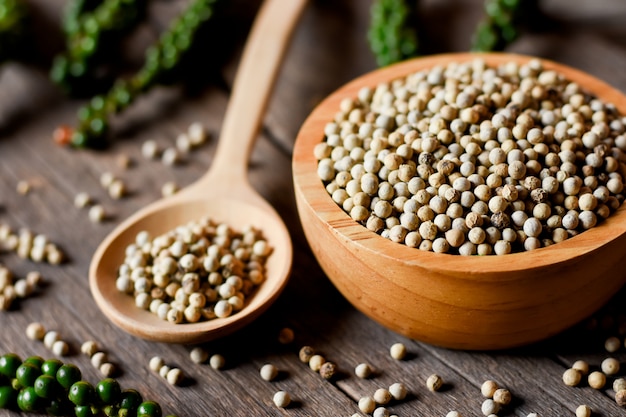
[
  {"x": 161, "y": 67},
  {"x": 500, "y": 27},
  {"x": 92, "y": 30},
  {"x": 13, "y": 17},
  {"x": 57, "y": 388},
  {"x": 392, "y": 34}
]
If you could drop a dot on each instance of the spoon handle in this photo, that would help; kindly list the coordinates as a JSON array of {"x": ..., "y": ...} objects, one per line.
[{"x": 257, "y": 72}]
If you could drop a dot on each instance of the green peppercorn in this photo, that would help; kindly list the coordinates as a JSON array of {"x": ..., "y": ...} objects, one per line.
[
  {"x": 28, "y": 400},
  {"x": 392, "y": 33},
  {"x": 93, "y": 29},
  {"x": 163, "y": 62},
  {"x": 109, "y": 391},
  {"x": 35, "y": 360},
  {"x": 149, "y": 409},
  {"x": 51, "y": 366},
  {"x": 46, "y": 386},
  {"x": 9, "y": 364},
  {"x": 81, "y": 393},
  {"x": 27, "y": 373},
  {"x": 57, "y": 407},
  {"x": 130, "y": 399},
  {"x": 8, "y": 397},
  {"x": 13, "y": 22},
  {"x": 84, "y": 411},
  {"x": 501, "y": 24},
  {"x": 68, "y": 374}
]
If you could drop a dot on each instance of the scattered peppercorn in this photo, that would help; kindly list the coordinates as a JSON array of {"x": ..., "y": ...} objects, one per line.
[
  {"x": 398, "y": 351},
  {"x": 571, "y": 377},
  {"x": 363, "y": 370},
  {"x": 268, "y": 372},
  {"x": 434, "y": 382},
  {"x": 282, "y": 399},
  {"x": 596, "y": 380},
  {"x": 583, "y": 411},
  {"x": 328, "y": 370},
  {"x": 305, "y": 353}
]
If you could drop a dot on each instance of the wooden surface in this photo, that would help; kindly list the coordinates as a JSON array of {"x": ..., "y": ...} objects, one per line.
[{"x": 329, "y": 49}]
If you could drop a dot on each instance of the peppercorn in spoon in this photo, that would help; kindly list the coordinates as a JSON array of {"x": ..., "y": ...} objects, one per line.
[{"x": 223, "y": 194}]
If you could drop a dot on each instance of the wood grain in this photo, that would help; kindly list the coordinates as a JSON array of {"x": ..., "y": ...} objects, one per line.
[{"x": 328, "y": 49}]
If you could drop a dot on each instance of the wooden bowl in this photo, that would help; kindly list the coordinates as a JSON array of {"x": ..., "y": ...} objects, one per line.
[{"x": 477, "y": 302}]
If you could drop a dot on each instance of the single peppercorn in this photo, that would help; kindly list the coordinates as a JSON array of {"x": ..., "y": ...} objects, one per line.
[
  {"x": 108, "y": 391},
  {"x": 149, "y": 409},
  {"x": 68, "y": 374},
  {"x": 571, "y": 377},
  {"x": 596, "y": 380},
  {"x": 328, "y": 370},
  {"x": 434, "y": 382}
]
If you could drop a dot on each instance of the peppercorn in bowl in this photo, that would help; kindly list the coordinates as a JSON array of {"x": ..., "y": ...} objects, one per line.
[{"x": 472, "y": 201}]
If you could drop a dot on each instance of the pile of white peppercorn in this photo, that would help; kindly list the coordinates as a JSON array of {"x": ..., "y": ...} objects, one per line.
[
  {"x": 472, "y": 159},
  {"x": 30, "y": 245},
  {"x": 199, "y": 271}
]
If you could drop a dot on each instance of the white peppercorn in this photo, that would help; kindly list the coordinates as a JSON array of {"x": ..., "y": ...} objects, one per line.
[
  {"x": 98, "y": 358},
  {"x": 268, "y": 372},
  {"x": 434, "y": 382},
  {"x": 367, "y": 404},
  {"x": 398, "y": 351},
  {"x": 108, "y": 369},
  {"x": 316, "y": 361},
  {"x": 610, "y": 366},
  {"x": 60, "y": 348},
  {"x": 50, "y": 337},
  {"x": 82, "y": 200},
  {"x": 175, "y": 376},
  {"x": 217, "y": 361},
  {"x": 150, "y": 149},
  {"x": 89, "y": 347},
  {"x": 363, "y": 370},
  {"x": 382, "y": 396},
  {"x": 583, "y": 411},
  {"x": 198, "y": 355},
  {"x": 502, "y": 396},
  {"x": 596, "y": 380},
  {"x": 398, "y": 391},
  {"x": 35, "y": 331},
  {"x": 281, "y": 399},
  {"x": 619, "y": 384},
  {"x": 489, "y": 406},
  {"x": 571, "y": 377},
  {"x": 381, "y": 412},
  {"x": 97, "y": 213},
  {"x": 488, "y": 388}
]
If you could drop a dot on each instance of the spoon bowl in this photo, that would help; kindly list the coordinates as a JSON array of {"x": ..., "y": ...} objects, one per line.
[
  {"x": 223, "y": 194},
  {"x": 166, "y": 215}
]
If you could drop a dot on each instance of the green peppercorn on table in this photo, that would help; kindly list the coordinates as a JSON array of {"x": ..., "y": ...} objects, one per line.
[{"x": 329, "y": 48}]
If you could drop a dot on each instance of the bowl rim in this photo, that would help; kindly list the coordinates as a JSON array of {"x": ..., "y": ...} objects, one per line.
[{"x": 310, "y": 190}]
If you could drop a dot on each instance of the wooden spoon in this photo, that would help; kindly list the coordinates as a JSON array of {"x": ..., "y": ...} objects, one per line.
[{"x": 223, "y": 194}]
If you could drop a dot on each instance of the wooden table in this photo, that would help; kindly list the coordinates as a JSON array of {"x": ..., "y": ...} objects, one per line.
[{"x": 329, "y": 48}]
